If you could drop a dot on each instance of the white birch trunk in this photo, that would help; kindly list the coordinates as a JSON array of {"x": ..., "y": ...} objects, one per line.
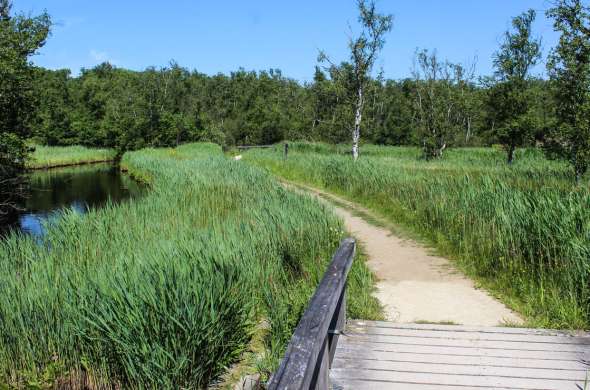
[{"x": 356, "y": 133}]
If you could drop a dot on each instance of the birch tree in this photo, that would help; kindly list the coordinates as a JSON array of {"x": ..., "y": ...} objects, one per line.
[{"x": 364, "y": 50}]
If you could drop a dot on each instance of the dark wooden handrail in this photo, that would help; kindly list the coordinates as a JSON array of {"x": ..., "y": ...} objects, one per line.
[{"x": 310, "y": 352}]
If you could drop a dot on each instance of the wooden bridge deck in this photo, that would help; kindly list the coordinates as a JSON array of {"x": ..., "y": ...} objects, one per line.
[
  {"x": 327, "y": 352},
  {"x": 382, "y": 355}
]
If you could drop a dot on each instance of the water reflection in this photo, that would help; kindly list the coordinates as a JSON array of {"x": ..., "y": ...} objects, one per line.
[{"x": 75, "y": 188}]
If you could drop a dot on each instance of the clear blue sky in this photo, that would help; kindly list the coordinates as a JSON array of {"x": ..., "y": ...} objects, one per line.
[{"x": 214, "y": 36}]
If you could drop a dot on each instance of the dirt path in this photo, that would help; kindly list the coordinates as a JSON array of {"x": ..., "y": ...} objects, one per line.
[{"x": 414, "y": 285}]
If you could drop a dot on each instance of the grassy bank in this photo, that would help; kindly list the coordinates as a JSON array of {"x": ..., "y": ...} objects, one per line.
[
  {"x": 522, "y": 231},
  {"x": 168, "y": 290},
  {"x": 57, "y": 156}
]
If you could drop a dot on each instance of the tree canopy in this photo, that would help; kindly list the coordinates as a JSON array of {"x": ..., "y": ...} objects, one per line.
[
  {"x": 569, "y": 66},
  {"x": 510, "y": 96},
  {"x": 20, "y": 37}
]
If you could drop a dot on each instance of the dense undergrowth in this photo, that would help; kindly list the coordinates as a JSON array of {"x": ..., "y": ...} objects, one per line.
[
  {"x": 166, "y": 291},
  {"x": 52, "y": 156},
  {"x": 522, "y": 230}
]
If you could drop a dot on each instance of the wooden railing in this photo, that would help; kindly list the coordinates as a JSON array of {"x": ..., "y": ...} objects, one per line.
[{"x": 310, "y": 352}]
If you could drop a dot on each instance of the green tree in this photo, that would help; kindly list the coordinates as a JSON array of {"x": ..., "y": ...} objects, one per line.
[
  {"x": 363, "y": 54},
  {"x": 20, "y": 37},
  {"x": 389, "y": 112},
  {"x": 510, "y": 98},
  {"x": 332, "y": 111},
  {"x": 51, "y": 123},
  {"x": 569, "y": 67}
]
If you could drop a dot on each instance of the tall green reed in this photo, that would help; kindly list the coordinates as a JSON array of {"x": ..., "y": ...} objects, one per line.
[
  {"x": 165, "y": 291},
  {"x": 51, "y": 156}
]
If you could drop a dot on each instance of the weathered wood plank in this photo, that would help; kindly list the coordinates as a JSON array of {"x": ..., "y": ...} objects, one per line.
[
  {"x": 462, "y": 328},
  {"x": 442, "y": 367},
  {"x": 351, "y": 352},
  {"x": 469, "y": 352},
  {"x": 307, "y": 351},
  {"x": 470, "y": 335},
  {"x": 468, "y": 343},
  {"x": 430, "y": 378},
  {"x": 348, "y": 384},
  {"x": 532, "y": 344}
]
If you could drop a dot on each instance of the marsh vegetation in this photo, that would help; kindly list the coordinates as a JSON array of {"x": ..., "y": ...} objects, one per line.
[
  {"x": 522, "y": 229},
  {"x": 167, "y": 290}
]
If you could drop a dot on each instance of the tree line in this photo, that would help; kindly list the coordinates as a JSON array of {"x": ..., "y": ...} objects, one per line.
[
  {"x": 440, "y": 105},
  {"x": 114, "y": 107}
]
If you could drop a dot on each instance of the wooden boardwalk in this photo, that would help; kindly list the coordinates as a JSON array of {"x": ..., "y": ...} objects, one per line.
[
  {"x": 382, "y": 355},
  {"x": 328, "y": 352}
]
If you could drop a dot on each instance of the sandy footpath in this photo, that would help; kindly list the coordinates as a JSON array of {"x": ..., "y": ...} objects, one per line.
[{"x": 414, "y": 285}]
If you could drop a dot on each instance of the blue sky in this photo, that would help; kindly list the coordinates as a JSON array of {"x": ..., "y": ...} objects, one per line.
[{"x": 223, "y": 35}]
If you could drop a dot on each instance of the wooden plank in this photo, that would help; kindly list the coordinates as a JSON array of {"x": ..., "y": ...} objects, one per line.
[
  {"x": 345, "y": 351},
  {"x": 461, "y": 328},
  {"x": 460, "y": 369},
  {"x": 468, "y": 343},
  {"x": 430, "y": 378},
  {"x": 381, "y": 355},
  {"x": 470, "y": 335},
  {"x": 302, "y": 359},
  {"x": 458, "y": 351},
  {"x": 348, "y": 384}
]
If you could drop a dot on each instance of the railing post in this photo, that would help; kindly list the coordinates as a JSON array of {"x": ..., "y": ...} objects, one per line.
[
  {"x": 309, "y": 355},
  {"x": 337, "y": 325},
  {"x": 321, "y": 380}
]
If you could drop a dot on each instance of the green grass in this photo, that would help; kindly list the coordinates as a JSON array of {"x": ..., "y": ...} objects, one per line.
[
  {"x": 55, "y": 156},
  {"x": 522, "y": 231},
  {"x": 168, "y": 290}
]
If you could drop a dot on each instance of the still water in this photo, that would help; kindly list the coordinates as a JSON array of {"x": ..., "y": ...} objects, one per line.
[{"x": 77, "y": 188}]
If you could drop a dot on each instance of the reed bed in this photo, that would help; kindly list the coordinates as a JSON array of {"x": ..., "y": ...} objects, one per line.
[
  {"x": 523, "y": 231},
  {"x": 56, "y": 156},
  {"x": 167, "y": 290}
]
